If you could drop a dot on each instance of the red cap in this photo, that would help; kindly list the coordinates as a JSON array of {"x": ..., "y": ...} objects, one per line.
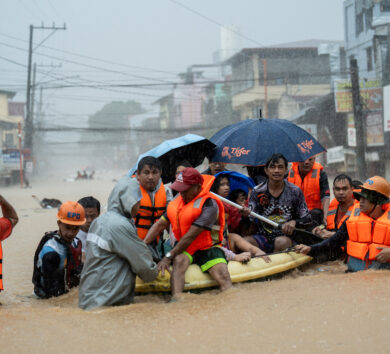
[{"x": 185, "y": 179}]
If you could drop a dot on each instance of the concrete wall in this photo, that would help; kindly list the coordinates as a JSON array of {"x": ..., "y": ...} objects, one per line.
[
  {"x": 249, "y": 100},
  {"x": 3, "y": 106}
]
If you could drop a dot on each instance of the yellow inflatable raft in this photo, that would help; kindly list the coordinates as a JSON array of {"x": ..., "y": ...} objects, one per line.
[{"x": 256, "y": 268}]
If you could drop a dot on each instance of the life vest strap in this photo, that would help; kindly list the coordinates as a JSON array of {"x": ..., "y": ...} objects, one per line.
[
  {"x": 147, "y": 227},
  {"x": 145, "y": 217},
  {"x": 144, "y": 207}
]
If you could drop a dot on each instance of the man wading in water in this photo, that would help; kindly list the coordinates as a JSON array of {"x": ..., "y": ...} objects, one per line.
[{"x": 197, "y": 219}]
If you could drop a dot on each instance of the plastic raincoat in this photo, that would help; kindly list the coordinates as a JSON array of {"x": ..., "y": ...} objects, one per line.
[{"x": 115, "y": 254}]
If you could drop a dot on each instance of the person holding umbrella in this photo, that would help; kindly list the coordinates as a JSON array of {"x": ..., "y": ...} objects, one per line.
[{"x": 280, "y": 201}]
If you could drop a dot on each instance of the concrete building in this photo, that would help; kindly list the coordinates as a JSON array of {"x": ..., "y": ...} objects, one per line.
[
  {"x": 279, "y": 79},
  {"x": 11, "y": 114},
  {"x": 367, "y": 31}
]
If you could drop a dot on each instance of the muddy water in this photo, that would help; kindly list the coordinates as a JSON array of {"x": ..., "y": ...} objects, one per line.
[{"x": 315, "y": 309}]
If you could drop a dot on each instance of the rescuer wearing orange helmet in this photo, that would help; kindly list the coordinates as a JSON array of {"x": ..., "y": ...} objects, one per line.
[
  {"x": 367, "y": 231},
  {"x": 57, "y": 261}
]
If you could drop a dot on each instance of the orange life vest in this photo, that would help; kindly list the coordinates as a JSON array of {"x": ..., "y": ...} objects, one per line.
[
  {"x": 149, "y": 212},
  {"x": 1, "y": 268},
  {"x": 3, "y": 236},
  {"x": 366, "y": 234},
  {"x": 181, "y": 217},
  {"x": 310, "y": 185},
  {"x": 332, "y": 213}
]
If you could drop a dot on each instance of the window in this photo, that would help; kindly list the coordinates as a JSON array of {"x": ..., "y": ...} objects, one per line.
[
  {"x": 385, "y": 5},
  {"x": 9, "y": 140},
  {"x": 243, "y": 77},
  {"x": 368, "y": 18},
  {"x": 359, "y": 24},
  {"x": 369, "y": 58}
]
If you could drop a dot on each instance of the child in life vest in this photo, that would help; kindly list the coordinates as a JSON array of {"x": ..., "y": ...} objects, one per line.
[{"x": 57, "y": 260}]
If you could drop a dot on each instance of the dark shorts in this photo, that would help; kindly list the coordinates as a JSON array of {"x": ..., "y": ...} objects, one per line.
[
  {"x": 264, "y": 243},
  {"x": 207, "y": 259}
]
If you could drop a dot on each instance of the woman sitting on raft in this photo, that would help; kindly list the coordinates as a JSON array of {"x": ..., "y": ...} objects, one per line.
[{"x": 234, "y": 246}]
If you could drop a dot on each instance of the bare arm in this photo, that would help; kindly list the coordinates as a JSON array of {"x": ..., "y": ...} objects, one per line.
[
  {"x": 181, "y": 246},
  {"x": 8, "y": 211},
  {"x": 325, "y": 206},
  {"x": 156, "y": 230}
]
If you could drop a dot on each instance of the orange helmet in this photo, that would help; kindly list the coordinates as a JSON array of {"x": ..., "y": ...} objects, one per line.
[
  {"x": 375, "y": 188},
  {"x": 71, "y": 213}
]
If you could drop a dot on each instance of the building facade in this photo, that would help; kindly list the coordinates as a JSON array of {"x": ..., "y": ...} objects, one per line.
[{"x": 278, "y": 80}]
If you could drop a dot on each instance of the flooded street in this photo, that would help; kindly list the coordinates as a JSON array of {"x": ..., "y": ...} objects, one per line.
[{"x": 315, "y": 309}]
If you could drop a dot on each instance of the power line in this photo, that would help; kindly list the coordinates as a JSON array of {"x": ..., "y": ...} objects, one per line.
[
  {"x": 83, "y": 64},
  {"x": 216, "y": 22},
  {"x": 93, "y": 58}
]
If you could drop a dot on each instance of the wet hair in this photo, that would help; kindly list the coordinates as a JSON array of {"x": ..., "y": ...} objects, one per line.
[
  {"x": 217, "y": 183},
  {"x": 237, "y": 193},
  {"x": 184, "y": 163},
  {"x": 254, "y": 171},
  {"x": 373, "y": 197},
  {"x": 343, "y": 177},
  {"x": 356, "y": 184},
  {"x": 275, "y": 158},
  {"x": 150, "y": 161},
  {"x": 90, "y": 202}
]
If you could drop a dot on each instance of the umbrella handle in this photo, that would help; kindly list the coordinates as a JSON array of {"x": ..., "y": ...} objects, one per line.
[{"x": 255, "y": 215}]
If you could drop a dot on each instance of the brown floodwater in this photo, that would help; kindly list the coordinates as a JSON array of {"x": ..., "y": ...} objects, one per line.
[{"x": 318, "y": 308}]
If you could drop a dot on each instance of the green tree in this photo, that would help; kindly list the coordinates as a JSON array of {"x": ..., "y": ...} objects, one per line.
[{"x": 115, "y": 115}]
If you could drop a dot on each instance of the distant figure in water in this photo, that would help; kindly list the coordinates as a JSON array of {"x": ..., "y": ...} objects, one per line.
[{"x": 57, "y": 260}]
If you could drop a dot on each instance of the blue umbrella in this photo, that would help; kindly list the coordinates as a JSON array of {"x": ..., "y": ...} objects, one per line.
[
  {"x": 191, "y": 147},
  {"x": 251, "y": 142},
  {"x": 237, "y": 181}
]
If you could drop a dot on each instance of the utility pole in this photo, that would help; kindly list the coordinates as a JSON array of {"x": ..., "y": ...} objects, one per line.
[
  {"x": 33, "y": 89},
  {"x": 28, "y": 141},
  {"x": 265, "y": 89},
  {"x": 20, "y": 154},
  {"x": 359, "y": 121}
]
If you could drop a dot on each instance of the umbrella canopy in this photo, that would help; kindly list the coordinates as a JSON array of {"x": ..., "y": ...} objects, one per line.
[
  {"x": 251, "y": 142},
  {"x": 191, "y": 147},
  {"x": 237, "y": 180}
]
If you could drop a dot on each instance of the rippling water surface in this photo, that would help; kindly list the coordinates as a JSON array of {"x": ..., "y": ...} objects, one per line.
[{"x": 318, "y": 308}]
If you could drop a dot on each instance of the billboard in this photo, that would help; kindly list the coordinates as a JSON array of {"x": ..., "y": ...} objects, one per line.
[
  {"x": 370, "y": 92},
  {"x": 374, "y": 124}
]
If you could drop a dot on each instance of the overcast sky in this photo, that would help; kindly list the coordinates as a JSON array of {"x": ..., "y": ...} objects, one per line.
[{"x": 124, "y": 41}]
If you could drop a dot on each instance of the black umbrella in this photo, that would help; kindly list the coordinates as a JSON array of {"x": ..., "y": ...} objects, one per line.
[{"x": 191, "y": 147}]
